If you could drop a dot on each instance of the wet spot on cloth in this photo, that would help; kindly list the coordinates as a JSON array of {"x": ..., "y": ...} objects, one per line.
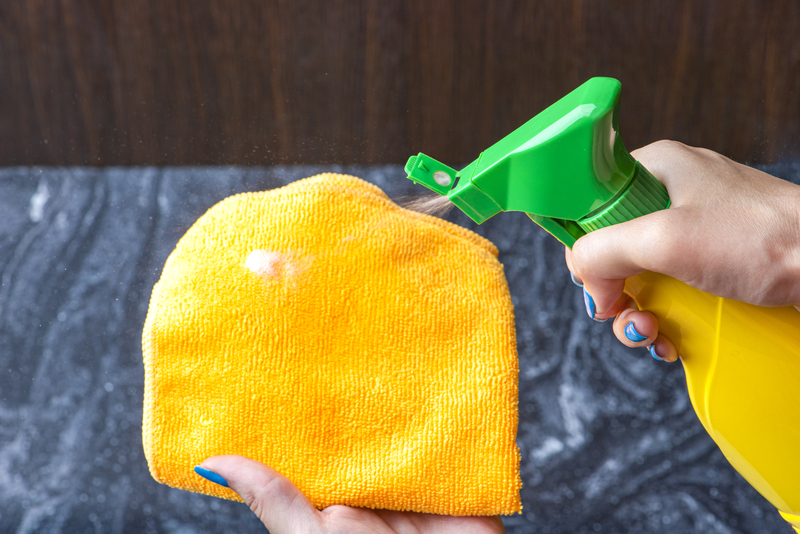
[
  {"x": 272, "y": 265},
  {"x": 265, "y": 263}
]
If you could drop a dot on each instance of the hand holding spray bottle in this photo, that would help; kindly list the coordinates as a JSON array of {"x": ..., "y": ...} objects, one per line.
[{"x": 568, "y": 170}]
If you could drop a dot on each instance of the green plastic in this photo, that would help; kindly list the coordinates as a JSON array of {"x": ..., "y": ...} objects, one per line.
[
  {"x": 569, "y": 171},
  {"x": 566, "y": 168}
]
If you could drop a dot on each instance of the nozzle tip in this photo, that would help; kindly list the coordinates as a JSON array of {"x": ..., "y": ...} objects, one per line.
[{"x": 436, "y": 176}]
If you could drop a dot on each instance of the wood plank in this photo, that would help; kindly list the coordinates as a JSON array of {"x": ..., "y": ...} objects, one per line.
[{"x": 143, "y": 82}]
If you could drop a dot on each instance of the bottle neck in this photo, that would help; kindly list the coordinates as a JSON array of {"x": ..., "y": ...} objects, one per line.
[{"x": 643, "y": 194}]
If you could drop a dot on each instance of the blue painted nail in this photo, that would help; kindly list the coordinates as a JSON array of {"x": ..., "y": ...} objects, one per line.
[
  {"x": 632, "y": 334},
  {"x": 574, "y": 281},
  {"x": 211, "y": 475},
  {"x": 590, "y": 307},
  {"x": 652, "y": 350}
]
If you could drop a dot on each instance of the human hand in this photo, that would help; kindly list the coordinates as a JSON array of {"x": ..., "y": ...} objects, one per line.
[
  {"x": 731, "y": 231},
  {"x": 285, "y": 510}
]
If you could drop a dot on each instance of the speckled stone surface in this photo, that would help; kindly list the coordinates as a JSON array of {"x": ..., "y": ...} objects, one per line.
[{"x": 609, "y": 440}]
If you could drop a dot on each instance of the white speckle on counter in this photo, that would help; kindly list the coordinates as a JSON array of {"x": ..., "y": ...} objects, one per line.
[
  {"x": 575, "y": 409},
  {"x": 61, "y": 221},
  {"x": 600, "y": 480},
  {"x": 163, "y": 203},
  {"x": 550, "y": 447},
  {"x": 38, "y": 202}
]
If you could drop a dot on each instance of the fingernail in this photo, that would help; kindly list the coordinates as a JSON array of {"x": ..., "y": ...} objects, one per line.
[
  {"x": 574, "y": 281},
  {"x": 652, "y": 350},
  {"x": 590, "y": 307},
  {"x": 211, "y": 475},
  {"x": 632, "y": 334}
]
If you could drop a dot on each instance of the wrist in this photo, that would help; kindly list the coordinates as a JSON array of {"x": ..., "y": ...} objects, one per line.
[{"x": 788, "y": 245}]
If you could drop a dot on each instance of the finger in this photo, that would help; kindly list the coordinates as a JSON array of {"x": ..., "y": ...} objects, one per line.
[
  {"x": 270, "y": 495},
  {"x": 605, "y": 257},
  {"x": 621, "y": 303},
  {"x": 636, "y": 328},
  {"x": 663, "y": 349},
  {"x": 671, "y": 162},
  {"x": 575, "y": 278},
  {"x": 441, "y": 524}
]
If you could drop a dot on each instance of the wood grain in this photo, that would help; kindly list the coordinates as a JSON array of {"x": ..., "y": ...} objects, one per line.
[{"x": 143, "y": 82}]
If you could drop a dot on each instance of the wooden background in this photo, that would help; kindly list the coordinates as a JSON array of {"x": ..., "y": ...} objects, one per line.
[{"x": 166, "y": 82}]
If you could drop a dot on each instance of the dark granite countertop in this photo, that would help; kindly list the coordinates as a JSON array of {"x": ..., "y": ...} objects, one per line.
[{"x": 609, "y": 440}]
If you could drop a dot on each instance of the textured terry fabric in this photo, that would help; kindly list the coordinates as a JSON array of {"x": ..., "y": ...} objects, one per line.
[{"x": 365, "y": 351}]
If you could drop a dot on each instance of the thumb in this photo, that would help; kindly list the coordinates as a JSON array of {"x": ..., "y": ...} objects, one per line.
[
  {"x": 271, "y": 496},
  {"x": 605, "y": 257}
]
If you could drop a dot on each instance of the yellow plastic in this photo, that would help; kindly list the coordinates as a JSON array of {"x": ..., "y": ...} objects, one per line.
[
  {"x": 569, "y": 171},
  {"x": 793, "y": 520},
  {"x": 742, "y": 366}
]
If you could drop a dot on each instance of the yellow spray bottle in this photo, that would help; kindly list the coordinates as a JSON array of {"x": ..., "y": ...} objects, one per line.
[{"x": 569, "y": 171}]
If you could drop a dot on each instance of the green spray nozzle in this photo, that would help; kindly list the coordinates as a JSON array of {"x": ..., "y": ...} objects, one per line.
[{"x": 566, "y": 168}]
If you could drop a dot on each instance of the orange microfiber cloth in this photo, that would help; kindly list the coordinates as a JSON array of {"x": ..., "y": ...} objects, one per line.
[{"x": 365, "y": 351}]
